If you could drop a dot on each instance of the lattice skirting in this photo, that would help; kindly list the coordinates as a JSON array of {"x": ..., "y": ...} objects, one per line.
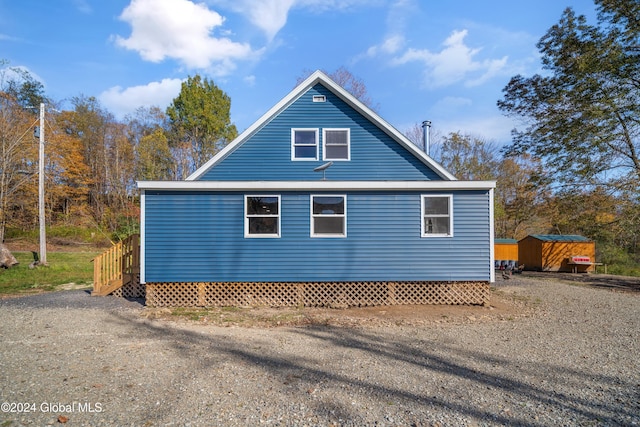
[
  {"x": 321, "y": 294},
  {"x": 135, "y": 289}
]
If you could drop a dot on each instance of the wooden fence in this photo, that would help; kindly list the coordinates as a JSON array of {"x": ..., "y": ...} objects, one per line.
[{"x": 117, "y": 270}]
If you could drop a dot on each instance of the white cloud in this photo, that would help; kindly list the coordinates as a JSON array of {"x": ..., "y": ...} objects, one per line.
[
  {"x": 389, "y": 46},
  {"x": 271, "y": 16},
  {"x": 454, "y": 63},
  {"x": 182, "y": 30},
  {"x": 123, "y": 101},
  {"x": 394, "y": 41},
  {"x": 268, "y": 15}
]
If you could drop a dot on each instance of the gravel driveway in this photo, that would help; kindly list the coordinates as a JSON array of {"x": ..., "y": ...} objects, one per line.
[{"x": 572, "y": 359}]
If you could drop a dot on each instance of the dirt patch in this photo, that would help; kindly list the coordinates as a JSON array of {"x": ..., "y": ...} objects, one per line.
[{"x": 504, "y": 305}]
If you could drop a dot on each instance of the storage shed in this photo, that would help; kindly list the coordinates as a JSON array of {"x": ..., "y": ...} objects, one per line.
[
  {"x": 505, "y": 253},
  {"x": 556, "y": 252}
]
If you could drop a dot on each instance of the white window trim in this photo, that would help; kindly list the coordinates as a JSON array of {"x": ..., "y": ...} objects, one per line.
[
  {"x": 293, "y": 145},
  {"x": 312, "y": 216},
  {"x": 324, "y": 147},
  {"x": 247, "y": 216},
  {"x": 422, "y": 228}
]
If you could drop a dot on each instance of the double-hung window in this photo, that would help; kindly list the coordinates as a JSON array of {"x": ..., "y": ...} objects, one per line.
[
  {"x": 336, "y": 144},
  {"x": 304, "y": 144},
  {"x": 328, "y": 216},
  {"x": 262, "y": 216},
  {"x": 437, "y": 215}
]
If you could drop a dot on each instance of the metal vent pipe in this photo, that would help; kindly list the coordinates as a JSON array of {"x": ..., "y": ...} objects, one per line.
[{"x": 426, "y": 127}]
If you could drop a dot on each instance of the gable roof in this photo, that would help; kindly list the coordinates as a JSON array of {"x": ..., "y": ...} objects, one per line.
[{"x": 312, "y": 80}]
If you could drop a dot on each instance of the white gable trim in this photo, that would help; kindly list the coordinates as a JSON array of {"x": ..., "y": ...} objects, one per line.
[
  {"x": 315, "y": 185},
  {"x": 313, "y": 79}
]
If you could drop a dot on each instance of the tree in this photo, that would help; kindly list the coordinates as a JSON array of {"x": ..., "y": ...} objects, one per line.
[
  {"x": 148, "y": 134},
  {"x": 582, "y": 117},
  {"x": 200, "y": 123},
  {"x": 467, "y": 157},
  {"x": 18, "y": 150},
  {"x": 108, "y": 152},
  {"x": 68, "y": 174},
  {"x": 19, "y": 84},
  {"x": 352, "y": 84},
  {"x": 155, "y": 161},
  {"x": 520, "y": 192}
]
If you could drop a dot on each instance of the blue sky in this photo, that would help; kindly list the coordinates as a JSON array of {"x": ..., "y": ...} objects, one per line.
[{"x": 444, "y": 61}]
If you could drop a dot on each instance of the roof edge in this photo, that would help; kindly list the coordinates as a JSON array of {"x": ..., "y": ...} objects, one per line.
[{"x": 315, "y": 185}]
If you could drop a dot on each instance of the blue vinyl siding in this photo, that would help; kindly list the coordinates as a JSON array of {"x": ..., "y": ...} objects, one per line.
[
  {"x": 199, "y": 236},
  {"x": 266, "y": 155}
]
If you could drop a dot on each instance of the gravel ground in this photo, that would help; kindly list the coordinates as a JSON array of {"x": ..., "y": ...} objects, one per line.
[{"x": 566, "y": 355}]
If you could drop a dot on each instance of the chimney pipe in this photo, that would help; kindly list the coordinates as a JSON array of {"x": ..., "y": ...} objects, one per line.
[{"x": 426, "y": 127}]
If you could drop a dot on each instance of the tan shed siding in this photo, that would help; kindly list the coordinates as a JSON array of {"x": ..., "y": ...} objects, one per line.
[
  {"x": 529, "y": 250},
  {"x": 506, "y": 251},
  {"x": 541, "y": 255}
]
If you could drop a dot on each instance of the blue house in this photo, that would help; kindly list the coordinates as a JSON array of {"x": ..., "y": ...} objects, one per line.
[{"x": 320, "y": 202}]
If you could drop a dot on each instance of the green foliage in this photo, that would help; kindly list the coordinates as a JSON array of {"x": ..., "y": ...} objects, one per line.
[
  {"x": 200, "y": 122},
  {"x": 64, "y": 268},
  {"x": 155, "y": 161},
  {"x": 581, "y": 116},
  {"x": 20, "y": 85},
  {"x": 618, "y": 260},
  {"x": 126, "y": 227}
]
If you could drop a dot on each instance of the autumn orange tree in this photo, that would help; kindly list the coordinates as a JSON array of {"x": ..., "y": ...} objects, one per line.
[
  {"x": 110, "y": 157},
  {"x": 18, "y": 150},
  {"x": 69, "y": 176}
]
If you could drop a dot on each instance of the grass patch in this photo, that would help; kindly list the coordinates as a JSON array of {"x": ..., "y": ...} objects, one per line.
[
  {"x": 195, "y": 314},
  {"x": 622, "y": 270},
  {"x": 64, "y": 267}
]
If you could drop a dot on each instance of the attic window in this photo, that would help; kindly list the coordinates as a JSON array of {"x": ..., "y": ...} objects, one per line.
[
  {"x": 319, "y": 98},
  {"x": 304, "y": 144},
  {"x": 336, "y": 144}
]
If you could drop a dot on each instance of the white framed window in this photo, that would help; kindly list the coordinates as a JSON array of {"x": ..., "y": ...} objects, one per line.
[
  {"x": 437, "y": 215},
  {"x": 261, "y": 216},
  {"x": 336, "y": 144},
  {"x": 328, "y": 215},
  {"x": 319, "y": 98},
  {"x": 304, "y": 144}
]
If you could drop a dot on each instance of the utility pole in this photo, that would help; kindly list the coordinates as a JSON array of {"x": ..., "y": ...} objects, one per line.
[{"x": 43, "y": 231}]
